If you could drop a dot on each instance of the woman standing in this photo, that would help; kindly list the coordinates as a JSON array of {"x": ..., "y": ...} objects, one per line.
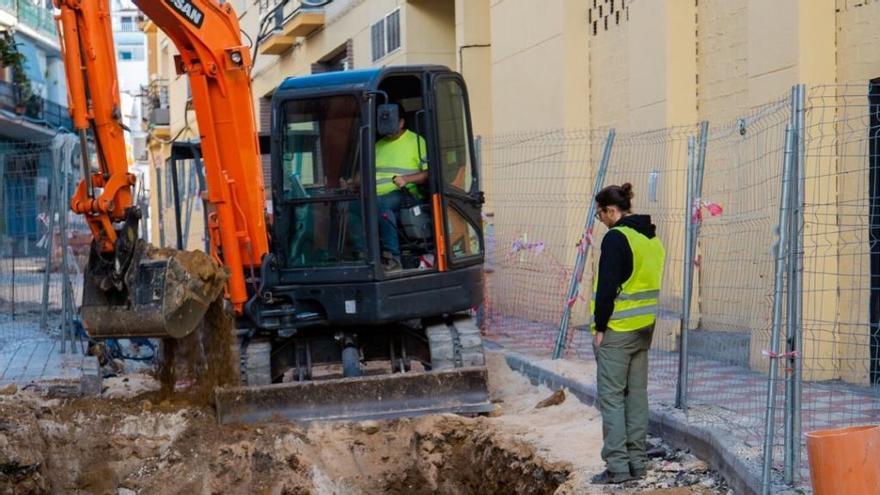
[{"x": 624, "y": 308}]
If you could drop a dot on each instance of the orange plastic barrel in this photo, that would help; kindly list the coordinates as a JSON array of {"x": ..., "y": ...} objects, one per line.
[{"x": 845, "y": 460}]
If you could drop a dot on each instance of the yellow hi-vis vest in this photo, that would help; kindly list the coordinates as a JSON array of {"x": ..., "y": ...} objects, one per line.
[
  {"x": 398, "y": 157},
  {"x": 636, "y": 305}
]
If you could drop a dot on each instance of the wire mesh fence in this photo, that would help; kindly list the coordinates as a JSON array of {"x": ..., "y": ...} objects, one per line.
[
  {"x": 538, "y": 187},
  {"x": 839, "y": 264},
  {"x": 734, "y": 271},
  {"x": 43, "y": 247},
  {"x": 815, "y": 286}
]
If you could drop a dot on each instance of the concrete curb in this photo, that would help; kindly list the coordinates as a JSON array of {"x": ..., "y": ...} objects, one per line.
[{"x": 668, "y": 423}]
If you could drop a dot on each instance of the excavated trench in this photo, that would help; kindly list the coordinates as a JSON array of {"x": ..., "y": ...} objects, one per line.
[
  {"x": 135, "y": 446},
  {"x": 135, "y": 439}
]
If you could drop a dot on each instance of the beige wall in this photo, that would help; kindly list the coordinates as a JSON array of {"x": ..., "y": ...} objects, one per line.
[{"x": 721, "y": 59}]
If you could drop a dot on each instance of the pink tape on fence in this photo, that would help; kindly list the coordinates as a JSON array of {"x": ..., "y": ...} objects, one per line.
[
  {"x": 714, "y": 209},
  {"x": 777, "y": 355},
  {"x": 535, "y": 247}
]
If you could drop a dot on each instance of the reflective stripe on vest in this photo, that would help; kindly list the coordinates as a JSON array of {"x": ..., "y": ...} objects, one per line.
[
  {"x": 650, "y": 294},
  {"x": 635, "y": 307}
]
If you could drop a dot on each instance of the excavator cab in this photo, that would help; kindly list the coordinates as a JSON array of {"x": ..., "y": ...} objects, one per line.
[
  {"x": 327, "y": 127},
  {"x": 329, "y": 309}
]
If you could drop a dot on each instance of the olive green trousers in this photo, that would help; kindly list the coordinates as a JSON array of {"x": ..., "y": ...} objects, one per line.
[{"x": 622, "y": 382}]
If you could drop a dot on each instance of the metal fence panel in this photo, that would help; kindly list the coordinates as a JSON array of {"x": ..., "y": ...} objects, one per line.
[
  {"x": 734, "y": 269},
  {"x": 36, "y": 231},
  {"x": 538, "y": 188}
]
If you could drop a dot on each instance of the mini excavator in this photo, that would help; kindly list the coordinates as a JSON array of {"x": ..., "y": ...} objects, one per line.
[{"x": 325, "y": 331}]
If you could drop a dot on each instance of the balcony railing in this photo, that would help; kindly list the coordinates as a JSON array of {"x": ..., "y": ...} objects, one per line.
[
  {"x": 36, "y": 109},
  {"x": 155, "y": 108},
  {"x": 32, "y": 15},
  {"x": 291, "y": 24}
]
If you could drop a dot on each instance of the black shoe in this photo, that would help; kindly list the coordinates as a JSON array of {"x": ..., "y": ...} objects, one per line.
[
  {"x": 608, "y": 478},
  {"x": 638, "y": 474}
]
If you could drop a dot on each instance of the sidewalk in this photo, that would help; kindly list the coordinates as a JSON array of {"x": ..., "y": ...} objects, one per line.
[
  {"x": 726, "y": 402},
  {"x": 32, "y": 358}
]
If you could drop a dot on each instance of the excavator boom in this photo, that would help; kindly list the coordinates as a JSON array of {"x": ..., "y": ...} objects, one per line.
[{"x": 207, "y": 35}]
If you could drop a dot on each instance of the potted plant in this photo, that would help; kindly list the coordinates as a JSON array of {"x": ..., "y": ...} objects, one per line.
[{"x": 12, "y": 58}]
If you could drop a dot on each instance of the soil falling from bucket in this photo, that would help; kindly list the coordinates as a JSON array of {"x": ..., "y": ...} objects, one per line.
[{"x": 198, "y": 363}]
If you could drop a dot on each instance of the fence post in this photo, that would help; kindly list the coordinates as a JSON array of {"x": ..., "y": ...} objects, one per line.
[
  {"x": 13, "y": 280},
  {"x": 681, "y": 383},
  {"x": 696, "y": 167},
  {"x": 583, "y": 248},
  {"x": 66, "y": 297},
  {"x": 698, "y": 177},
  {"x": 54, "y": 194},
  {"x": 795, "y": 296},
  {"x": 781, "y": 253}
]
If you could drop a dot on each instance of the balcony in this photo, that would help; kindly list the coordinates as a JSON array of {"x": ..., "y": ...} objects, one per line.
[
  {"x": 304, "y": 22},
  {"x": 35, "y": 109},
  {"x": 155, "y": 108},
  {"x": 301, "y": 22},
  {"x": 32, "y": 15}
]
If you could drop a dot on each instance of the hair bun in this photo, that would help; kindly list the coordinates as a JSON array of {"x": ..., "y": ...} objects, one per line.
[{"x": 627, "y": 190}]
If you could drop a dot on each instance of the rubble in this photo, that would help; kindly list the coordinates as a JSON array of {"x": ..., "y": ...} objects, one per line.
[
  {"x": 670, "y": 468},
  {"x": 557, "y": 398}
]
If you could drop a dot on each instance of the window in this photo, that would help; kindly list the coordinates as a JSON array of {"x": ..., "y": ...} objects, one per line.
[
  {"x": 131, "y": 53},
  {"x": 392, "y": 28},
  {"x": 126, "y": 23},
  {"x": 320, "y": 144},
  {"x": 385, "y": 35},
  {"x": 453, "y": 135},
  {"x": 378, "y": 37}
]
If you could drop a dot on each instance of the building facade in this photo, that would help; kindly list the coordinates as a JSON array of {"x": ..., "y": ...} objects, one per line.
[
  {"x": 33, "y": 108},
  {"x": 634, "y": 65}
]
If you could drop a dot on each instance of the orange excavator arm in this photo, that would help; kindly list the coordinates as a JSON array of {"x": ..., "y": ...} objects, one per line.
[{"x": 208, "y": 37}]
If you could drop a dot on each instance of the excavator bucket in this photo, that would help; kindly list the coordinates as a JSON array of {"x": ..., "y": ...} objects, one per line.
[
  {"x": 460, "y": 390},
  {"x": 166, "y": 293}
]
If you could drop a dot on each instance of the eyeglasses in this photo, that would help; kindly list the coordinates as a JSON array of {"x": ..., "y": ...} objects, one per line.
[{"x": 599, "y": 213}]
